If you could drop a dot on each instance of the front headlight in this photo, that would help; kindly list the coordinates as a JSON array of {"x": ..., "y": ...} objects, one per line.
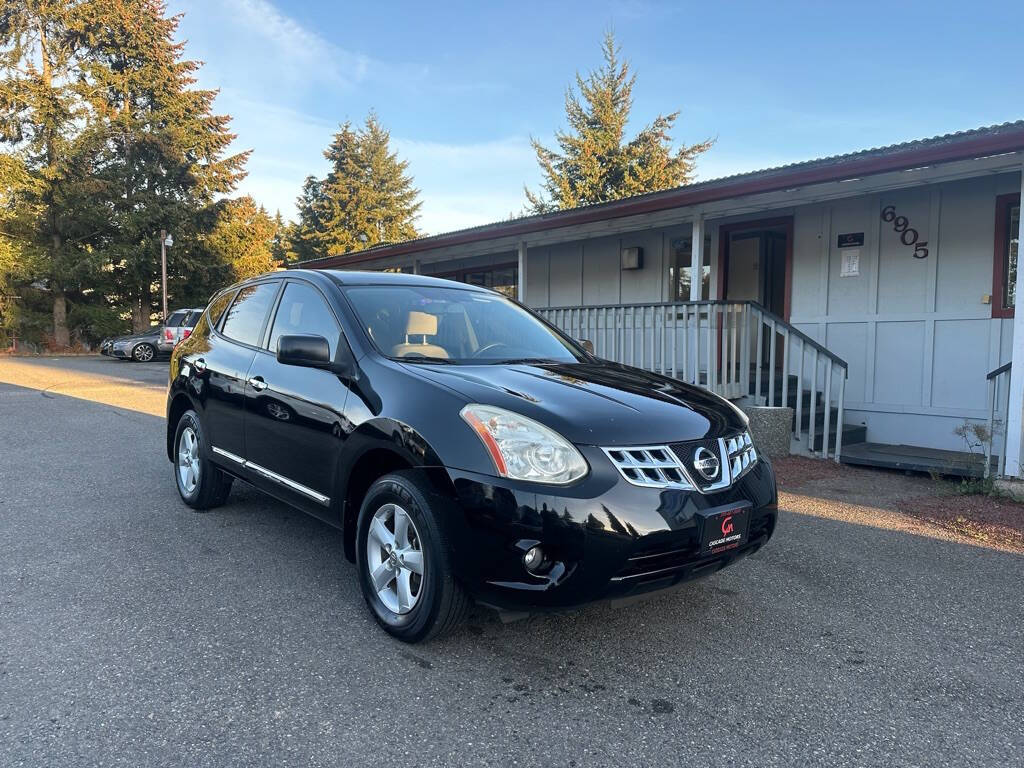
[{"x": 522, "y": 449}]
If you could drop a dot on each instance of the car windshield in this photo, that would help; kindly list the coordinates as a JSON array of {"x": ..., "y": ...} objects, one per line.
[{"x": 454, "y": 326}]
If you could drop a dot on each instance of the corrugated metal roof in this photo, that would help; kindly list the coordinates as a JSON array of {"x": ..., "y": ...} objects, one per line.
[{"x": 838, "y": 163}]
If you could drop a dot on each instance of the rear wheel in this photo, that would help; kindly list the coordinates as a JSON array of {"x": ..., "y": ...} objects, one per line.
[
  {"x": 200, "y": 484},
  {"x": 403, "y": 559},
  {"x": 143, "y": 353}
]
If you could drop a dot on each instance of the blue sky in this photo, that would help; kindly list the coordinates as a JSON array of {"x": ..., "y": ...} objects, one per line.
[{"x": 462, "y": 86}]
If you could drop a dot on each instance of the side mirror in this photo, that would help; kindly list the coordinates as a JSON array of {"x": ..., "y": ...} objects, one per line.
[
  {"x": 307, "y": 351},
  {"x": 588, "y": 345},
  {"x": 315, "y": 352}
]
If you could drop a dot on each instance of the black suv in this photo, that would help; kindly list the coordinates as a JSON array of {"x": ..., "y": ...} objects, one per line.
[{"x": 466, "y": 448}]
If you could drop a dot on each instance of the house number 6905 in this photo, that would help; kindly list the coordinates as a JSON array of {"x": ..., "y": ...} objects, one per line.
[{"x": 908, "y": 235}]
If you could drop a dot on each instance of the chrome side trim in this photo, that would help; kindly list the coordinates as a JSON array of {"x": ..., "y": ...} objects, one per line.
[
  {"x": 228, "y": 455},
  {"x": 271, "y": 475}
]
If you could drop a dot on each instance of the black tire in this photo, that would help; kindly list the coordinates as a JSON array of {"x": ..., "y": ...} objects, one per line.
[
  {"x": 442, "y": 603},
  {"x": 213, "y": 485},
  {"x": 143, "y": 353}
]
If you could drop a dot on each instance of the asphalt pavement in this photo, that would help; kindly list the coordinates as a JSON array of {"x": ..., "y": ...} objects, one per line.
[{"x": 136, "y": 632}]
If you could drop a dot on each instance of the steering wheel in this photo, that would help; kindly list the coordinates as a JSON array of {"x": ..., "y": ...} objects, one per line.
[{"x": 486, "y": 347}]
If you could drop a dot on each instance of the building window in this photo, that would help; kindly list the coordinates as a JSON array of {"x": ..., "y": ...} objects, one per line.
[
  {"x": 679, "y": 270},
  {"x": 1004, "y": 272},
  {"x": 503, "y": 278}
]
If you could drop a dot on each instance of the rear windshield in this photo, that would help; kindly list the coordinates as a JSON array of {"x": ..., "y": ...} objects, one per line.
[
  {"x": 174, "y": 320},
  {"x": 452, "y": 325}
]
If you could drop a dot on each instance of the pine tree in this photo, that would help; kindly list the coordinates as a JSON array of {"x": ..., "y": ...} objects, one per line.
[
  {"x": 280, "y": 244},
  {"x": 46, "y": 121},
  {"x": 166, "y": 151},
  {"x": 366, "y": 199},
  {"x": 243, "y": 239},
  {"x": 594, "y": 163},
  {"x": 308, "y": 231}
]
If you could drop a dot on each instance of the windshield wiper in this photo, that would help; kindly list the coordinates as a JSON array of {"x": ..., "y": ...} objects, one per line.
[
  {"x": 425, "y": 359},
  {"x": 529, "y": 361}
]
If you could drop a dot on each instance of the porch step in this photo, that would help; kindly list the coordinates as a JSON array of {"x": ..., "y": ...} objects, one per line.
[
  {"x": 853, "y": 434},
  {"x": 914, "y": 458},
  {"x": 819, "y": 417}
]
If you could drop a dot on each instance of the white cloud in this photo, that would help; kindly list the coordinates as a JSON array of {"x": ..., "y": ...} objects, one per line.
[
  {"x": 266, "y": 50},
  {"x": 287, "y": 86}
]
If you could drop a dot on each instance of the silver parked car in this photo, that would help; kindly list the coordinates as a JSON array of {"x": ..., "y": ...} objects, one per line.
[{"x": 178, "y": 327}]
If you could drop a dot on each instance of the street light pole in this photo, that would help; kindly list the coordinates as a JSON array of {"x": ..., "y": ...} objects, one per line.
[{"x": 163, "y": 269}]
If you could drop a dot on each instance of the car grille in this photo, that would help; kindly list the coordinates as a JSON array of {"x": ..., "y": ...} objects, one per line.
[
  {"x": 704, "y": 465},
  {"x": 652, "y": 467}
]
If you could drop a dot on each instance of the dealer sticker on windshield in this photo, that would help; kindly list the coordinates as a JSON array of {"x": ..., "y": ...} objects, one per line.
[{"x": 724, "y": 529}]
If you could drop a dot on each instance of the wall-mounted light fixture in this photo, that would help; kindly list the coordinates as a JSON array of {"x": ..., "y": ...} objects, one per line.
[{"x": 632, "y": 258}]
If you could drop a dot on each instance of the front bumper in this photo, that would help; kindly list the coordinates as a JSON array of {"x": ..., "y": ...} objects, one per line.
[
  {"x": 606, "y": 538},
  {"x": 121, "y": 354}
]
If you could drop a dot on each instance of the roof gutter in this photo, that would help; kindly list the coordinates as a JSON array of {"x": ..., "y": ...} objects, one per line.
[{"x": 992, "y": 144}]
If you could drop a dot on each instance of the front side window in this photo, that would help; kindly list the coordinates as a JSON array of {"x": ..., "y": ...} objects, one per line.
[
  {"x": 302, "y": 311},
  {"x": 454, "y": 325},
  {"x": 1006, "y": 250},
  {"x": 244, "y": 319}
]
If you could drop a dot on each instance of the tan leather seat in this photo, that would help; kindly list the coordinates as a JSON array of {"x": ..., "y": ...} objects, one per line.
[{"x": 422, "y": 325}]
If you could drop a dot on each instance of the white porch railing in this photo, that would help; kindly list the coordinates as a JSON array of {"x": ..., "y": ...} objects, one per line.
[
  {"x": 734, "y": 348},
  {"x": 998, "y": 379}
]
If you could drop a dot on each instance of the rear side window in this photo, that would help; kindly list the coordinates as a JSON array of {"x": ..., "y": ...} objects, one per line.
[
  {"x": 244, "y": 319},
  {"x": 218, "y": 305},
  {"x": 303, "y": 311}
]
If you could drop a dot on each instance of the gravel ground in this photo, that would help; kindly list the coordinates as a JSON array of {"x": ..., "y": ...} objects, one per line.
[
  {"x": 136, "y": 632},
  {"x": 915, "y": 503}
]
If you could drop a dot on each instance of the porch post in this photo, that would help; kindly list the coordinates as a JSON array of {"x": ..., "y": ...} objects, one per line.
[
  {"x": 521, "y": 287},
  {"x": 697, "y": 257},
  {"x": 1015, "y": 402},
  {"x": 416, "y": 266}
]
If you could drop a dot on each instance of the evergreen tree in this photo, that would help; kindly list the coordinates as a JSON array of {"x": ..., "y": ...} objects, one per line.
[
  {"x": 53, "y": 137},
  {"x": 366, "y": 199},
  {"x": 243, "y": 239},
  {"x": 307, "y": 233},
  {"x": 281, "y": 247},
  {"x": 594, "y": 162},
  {"x": 166, "y": 151}
]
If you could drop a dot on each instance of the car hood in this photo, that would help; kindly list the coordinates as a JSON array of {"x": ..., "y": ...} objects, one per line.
[{"x": 593, "y": 403}]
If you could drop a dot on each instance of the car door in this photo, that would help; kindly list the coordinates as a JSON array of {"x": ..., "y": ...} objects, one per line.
[
  {"x": 294, "y": 424},
  {"x": 224, "y": 367}
]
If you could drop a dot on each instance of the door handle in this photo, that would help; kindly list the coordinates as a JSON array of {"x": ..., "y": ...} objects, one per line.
[
  {"x": 199, "y": 365},
  {"x": 257, "y": 383}
]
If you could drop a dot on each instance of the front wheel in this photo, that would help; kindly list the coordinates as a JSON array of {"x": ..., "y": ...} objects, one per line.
[
  {"x": 402, "y": 555},
  {"x": 143, "y": 353},
  {"x": 201, "y": 485}
]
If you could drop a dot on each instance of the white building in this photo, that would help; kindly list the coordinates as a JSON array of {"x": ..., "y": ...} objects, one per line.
[{"x": 882, "y": 281}]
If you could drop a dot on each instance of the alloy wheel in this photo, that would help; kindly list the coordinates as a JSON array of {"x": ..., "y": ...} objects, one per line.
[
  {"x": 188, "y": 460},
  {"x": 143, "y": 353},
  {"x": 394, "y": 557}
]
